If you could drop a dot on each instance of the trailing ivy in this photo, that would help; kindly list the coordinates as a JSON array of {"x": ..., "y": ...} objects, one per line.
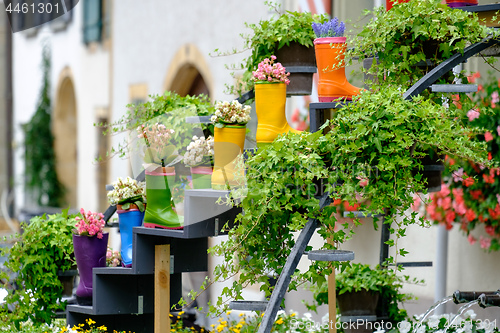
[{"x": 40, "y": 159}]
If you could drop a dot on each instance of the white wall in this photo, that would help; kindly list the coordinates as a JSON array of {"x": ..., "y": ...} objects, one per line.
[{"x": 90, "y": 74}]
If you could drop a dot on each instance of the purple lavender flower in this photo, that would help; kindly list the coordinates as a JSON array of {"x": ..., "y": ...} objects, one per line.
[
  {"x": 331, "y": 28},
  {"x": 317, "y": 29},
  {"x": 340, "y": 30}
]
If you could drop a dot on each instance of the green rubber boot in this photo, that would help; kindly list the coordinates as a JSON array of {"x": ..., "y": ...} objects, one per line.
[{"x": 159, "y": 209}]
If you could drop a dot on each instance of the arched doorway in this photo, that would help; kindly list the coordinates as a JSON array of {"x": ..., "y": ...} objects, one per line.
[
  {"x": 65, "y": 137},
  {"x": 188, "y": 73}
]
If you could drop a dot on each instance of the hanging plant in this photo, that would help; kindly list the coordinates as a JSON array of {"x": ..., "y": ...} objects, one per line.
[{"x": 40, "y": 159}]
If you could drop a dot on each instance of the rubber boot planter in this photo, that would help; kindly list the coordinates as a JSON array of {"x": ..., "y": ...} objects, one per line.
[
  {"x": 127, "y": 220},
  {"x": 201, "y": 176},
  {"x": 90, "y": 252},
  {"x": 332, "y": 83},
  {"x": 160, "y": 212},
  {"x": 228, "y": 148},
  {"x": 270, "y": 102}
]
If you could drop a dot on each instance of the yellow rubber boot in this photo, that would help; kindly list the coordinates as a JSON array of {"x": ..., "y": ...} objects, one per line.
[
  {"x": 332, "y": 83},
  {"x": 228, "y": 149},
  {"x": 270, "y": 102}
]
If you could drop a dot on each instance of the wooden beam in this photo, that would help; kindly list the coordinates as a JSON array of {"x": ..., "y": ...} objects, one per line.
[
  {"x": 332, "y": 302},
  {"x": 162, "y": 288}
]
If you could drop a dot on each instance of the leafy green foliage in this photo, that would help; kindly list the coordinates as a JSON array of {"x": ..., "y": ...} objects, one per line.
[
  {"x": 413, "y": 36},
  {"x": 44, "y": 248},
  {"x": 172, "y": 109},
  {"x": 40, "y": 158},
  {"x": 360, "y": 277},
  {"x": 372, "y": 153}
]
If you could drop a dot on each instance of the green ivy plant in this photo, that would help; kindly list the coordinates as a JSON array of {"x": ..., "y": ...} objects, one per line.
[
  {"x": 412, "y": 37},
  {"x": 270, "y": 35},
  {"x": 372, "y": 154},
  {"x": 40, "y": 159},
  {"x": 40, "y": 252}
]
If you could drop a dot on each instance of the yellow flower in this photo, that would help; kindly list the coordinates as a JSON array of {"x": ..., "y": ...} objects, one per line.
[
  {"x": 103, "y": 328},
  {"x": 90, "y": 321},
  {"x": 279, "y": 321},
  {"x": 293, "y": 314},
  {"x": 228, "y": 313}
]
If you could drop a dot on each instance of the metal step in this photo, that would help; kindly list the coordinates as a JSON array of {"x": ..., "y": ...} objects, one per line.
[
  {"x": 248, "y": 305},
  {"x": 360, "y": 214},
  {"x": 330, "y": 255},
  {"x": 454, "y": 88},
  {"x": 198, "y": 120}
]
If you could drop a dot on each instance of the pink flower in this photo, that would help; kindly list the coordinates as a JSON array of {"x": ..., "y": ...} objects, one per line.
[
  {"x": 484, "y": 242},
  {"x": 494, "y": 99},
  {"x": 490, "y": 230},
  {"x": 498, "y": 129},
  {"x": 471, "y": 239},
  {"x": 488, "y": 136},
  {"x": 457, "y": 175},
  {"x": 473, "y": 114}
]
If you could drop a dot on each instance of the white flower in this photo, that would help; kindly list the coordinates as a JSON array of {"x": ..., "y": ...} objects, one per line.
[
  {"x": 433, "y": 321},
  {"x": 470, "y": 314},
  {"x": 404, "y": 326}
]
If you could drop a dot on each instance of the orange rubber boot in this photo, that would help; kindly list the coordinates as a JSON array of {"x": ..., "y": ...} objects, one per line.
[
  {"x": 270, "y": 102},
  {"x": 332, "y": 84}
]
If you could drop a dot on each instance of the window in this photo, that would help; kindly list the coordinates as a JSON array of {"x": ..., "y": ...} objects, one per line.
[{"x": 92, "y": 21}]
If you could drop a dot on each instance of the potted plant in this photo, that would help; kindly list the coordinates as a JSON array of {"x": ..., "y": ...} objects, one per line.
[
  {"x": 39, "y": 256},
  {"x": 289, "y": 36},
  {"x": 270, "y": 100},
  {"x": 169, "y": 109},
  {"x": 199, "y": 157},
  {"x": 129, "y": 196},
  {"x": 330, "y": 45},
  {"x": 413, "y": 37},
  {"x": 159, "y": 159},
  {"x": 359, "y": 289},
  {"x": 229, "y": 119},
  {"x": 90, "y": 243}
]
